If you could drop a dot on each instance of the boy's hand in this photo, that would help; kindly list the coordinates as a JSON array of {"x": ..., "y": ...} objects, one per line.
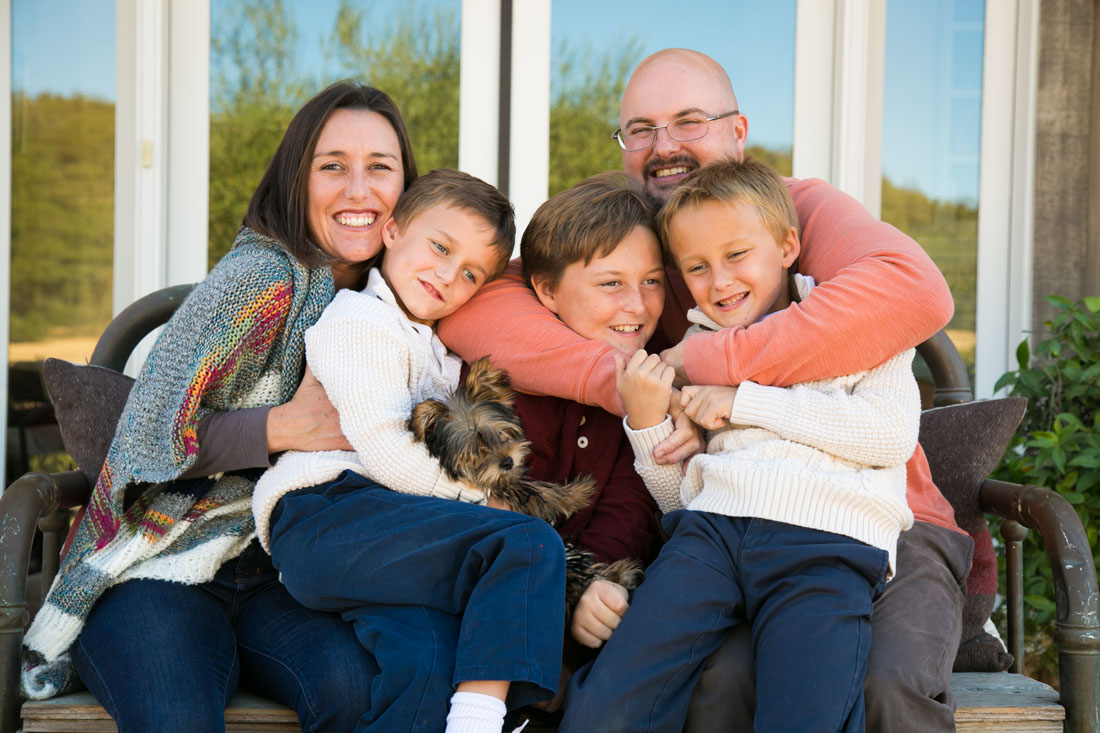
[
  {"x": 685, "y": 442},
  {"x": 645, "y": 386},
  {"x": 598, "y": 612},
  {"x": 709, "y": 407}
]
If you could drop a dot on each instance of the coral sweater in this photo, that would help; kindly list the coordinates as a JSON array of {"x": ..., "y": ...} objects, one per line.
[{"x": 872, "y": 279}]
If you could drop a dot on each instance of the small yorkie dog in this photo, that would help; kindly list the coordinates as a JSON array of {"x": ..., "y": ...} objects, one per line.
[{"x": 478, "y": 440}]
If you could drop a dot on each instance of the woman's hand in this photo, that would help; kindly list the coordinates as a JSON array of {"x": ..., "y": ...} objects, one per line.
[
  {"x": 308, "y": 422},
  {"x": 645, "y": 386},
  {"x": 709, "y": 407},
  {"x": 598, "y": 612}
]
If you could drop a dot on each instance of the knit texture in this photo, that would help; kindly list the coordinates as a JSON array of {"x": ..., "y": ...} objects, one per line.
[
  {"x": 237, "y": 341},
  {"x": 375, "y": 365},
  {"x": 827, "y": 455}
]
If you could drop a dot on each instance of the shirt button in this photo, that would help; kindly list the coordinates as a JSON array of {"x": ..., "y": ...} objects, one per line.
[
  {"x": 584, "y": 419},
  {"x": 582, "y": 442}
]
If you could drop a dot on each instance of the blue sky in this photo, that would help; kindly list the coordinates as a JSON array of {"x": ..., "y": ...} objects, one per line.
[{"x": 933, "y": 65}]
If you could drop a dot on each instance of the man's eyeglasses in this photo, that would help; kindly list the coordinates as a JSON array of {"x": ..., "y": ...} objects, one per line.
[{"x": 683, "y": 129}]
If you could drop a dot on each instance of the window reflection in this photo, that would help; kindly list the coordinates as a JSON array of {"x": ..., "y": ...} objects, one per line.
[
  {"x": 595, "y": 46},
  {"x": 931, "y": 141},
  {"x": 62, "y": 206},
  {"x": 268, "y": 58}
]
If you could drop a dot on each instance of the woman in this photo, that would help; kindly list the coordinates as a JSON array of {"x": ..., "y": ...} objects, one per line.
[{"x": 166, "y": 601}]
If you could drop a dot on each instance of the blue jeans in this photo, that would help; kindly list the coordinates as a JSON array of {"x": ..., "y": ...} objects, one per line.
[
  {"x": 163, "y": 656},
  {"x": 806, "y": 594},
  {"x": 439, "y": 592},
  {"x": 915, "y": 629}
]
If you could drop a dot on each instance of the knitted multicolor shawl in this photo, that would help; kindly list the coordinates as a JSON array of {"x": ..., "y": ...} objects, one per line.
[{"x": 236, "y": 342}]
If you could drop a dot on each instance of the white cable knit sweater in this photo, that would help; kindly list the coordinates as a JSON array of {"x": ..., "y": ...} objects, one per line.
[
  {"x": 375, "y": 365},
  {"x": 827, "y": 455}
]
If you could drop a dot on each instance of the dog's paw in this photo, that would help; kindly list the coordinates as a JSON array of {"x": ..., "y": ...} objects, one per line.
[{"x": 627, "y": 573}]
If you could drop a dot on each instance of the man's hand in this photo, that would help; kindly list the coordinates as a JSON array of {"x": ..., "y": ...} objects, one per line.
[
  {"x": 709, "y": 407},
  {"x": 645, "y": 386},
  {"x": 674, "y": 357},
  {"x": 308, "y": 422},
  {"x": 598, "y": 612},
  {"x": 685, "y": 442}
]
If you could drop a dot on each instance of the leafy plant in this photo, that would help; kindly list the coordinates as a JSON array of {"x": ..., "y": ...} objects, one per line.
[{"x": 1058, "y": 443}]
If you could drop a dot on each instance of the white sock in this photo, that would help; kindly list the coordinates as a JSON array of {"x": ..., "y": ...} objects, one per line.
[{"x": 472, "y": 712}]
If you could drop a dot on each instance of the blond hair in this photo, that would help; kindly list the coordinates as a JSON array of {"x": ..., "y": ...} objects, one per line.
[{"x": 732, "y": 182}]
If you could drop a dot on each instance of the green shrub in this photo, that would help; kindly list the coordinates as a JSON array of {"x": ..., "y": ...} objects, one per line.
[{"x": 1058, "y": 443}]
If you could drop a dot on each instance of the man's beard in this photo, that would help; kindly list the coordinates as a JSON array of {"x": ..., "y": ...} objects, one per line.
[{"x": 656, "y": 192}]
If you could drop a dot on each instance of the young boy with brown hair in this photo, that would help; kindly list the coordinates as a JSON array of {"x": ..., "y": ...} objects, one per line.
[
  {"x": 430, "y": 584},
  {"x": 592, "y": 257},
  {"x": 790, "y": 520}
]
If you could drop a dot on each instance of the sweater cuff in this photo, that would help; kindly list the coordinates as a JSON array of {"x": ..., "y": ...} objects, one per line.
[
  {"x": 445, "y": 488},
  {"x": 758, "y": 405},
  {"x": 645, "y": 440}
]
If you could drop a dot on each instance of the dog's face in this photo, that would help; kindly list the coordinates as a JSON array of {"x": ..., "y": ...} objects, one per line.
[{"x": 476, "y": 435}]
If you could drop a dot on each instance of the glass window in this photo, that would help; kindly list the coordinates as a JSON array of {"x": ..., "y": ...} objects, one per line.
[
  {"x": 595, "y": 46},
  {"x": 62, "y": 204},
  {"x": 931, "y": 131},
  {"x": 268, "y": 58}
]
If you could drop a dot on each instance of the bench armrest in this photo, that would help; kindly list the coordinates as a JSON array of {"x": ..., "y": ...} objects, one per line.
[
  {"x": 30, "y": 498},
  {"x": 1077, "y": 599}
]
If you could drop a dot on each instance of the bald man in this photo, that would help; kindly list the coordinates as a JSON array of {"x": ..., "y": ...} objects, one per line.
[{"x": 878, "y": 295}]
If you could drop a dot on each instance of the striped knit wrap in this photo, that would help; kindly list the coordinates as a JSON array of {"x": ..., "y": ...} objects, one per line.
[{"x": 237, "y": 341}]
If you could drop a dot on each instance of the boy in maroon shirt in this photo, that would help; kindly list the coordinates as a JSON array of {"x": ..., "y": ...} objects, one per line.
[{"x": 591, "y": 256}]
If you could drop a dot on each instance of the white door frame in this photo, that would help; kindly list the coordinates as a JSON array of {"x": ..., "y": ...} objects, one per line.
[{"x": 5, "y": 210}]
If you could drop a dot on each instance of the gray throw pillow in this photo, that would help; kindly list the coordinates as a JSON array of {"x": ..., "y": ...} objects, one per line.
[
  {"x": 963, "y": 444},
  {"x": 87, "y": 400}
]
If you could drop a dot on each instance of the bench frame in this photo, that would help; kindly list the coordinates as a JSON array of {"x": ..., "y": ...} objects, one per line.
[{"x": 42, "y": 499}]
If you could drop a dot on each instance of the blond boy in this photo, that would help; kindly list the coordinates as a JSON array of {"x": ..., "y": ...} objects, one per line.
[{"x": 790, "y": 520}]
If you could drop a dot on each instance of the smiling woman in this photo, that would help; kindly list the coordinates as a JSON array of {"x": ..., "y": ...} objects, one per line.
[
  {"x": 228, "y": 363},
  {"x": 355, "y": 178}
]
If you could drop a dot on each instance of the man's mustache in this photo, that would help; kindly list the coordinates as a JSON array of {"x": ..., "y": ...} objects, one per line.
[{"x": 683, "y": 159}]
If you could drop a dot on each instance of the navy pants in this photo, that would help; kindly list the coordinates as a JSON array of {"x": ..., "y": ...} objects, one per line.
[
  {"x": 439, "y": 592},
  {"x": 166, "y": 657},
  {"x": 806, "y": 594}
]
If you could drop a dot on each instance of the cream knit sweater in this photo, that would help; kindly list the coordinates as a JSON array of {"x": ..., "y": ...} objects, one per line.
[
  {"x": 827, "y": 455},
  {"x": 375, "y": 365}
]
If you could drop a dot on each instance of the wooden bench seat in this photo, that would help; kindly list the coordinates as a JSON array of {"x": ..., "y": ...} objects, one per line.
[
  {"x": 1001, "y": 703},
  {"x": 247, "y": 713}
]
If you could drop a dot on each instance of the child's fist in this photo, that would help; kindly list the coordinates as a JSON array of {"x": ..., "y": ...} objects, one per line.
[
  {"x": 598, "y": 612},
  {"x": 709, "y": 407},
  {"x": 645, "y": 384}
]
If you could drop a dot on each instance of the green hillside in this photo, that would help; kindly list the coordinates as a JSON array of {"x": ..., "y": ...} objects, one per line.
[{"x": 62, "y": 217}]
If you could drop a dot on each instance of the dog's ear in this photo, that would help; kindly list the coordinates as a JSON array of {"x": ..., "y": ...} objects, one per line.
[
  {"x": 486, "y": 383},
  {"x": 425, "y": 417}
]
